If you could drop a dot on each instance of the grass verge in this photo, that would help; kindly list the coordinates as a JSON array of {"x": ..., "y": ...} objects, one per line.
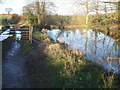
[{"x": 26, "y": 47}]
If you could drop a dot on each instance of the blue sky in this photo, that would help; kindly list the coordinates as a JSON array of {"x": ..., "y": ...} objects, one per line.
[{"x": 63, "y": 6}]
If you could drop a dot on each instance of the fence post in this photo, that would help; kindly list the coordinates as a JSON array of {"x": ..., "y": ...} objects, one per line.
[{"x": 30, "y": 33}]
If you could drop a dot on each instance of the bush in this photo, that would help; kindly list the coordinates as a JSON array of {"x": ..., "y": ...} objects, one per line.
[{"x": 15, "y": 18}]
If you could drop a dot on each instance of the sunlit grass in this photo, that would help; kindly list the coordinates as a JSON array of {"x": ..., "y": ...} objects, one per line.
[{"x": 3, "y": 17}]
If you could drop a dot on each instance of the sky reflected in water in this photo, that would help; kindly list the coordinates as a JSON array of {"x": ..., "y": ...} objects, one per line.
[{"x": 97, "y": 46}]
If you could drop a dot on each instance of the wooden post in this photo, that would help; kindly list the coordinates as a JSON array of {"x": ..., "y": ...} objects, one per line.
[{"x": 30, "y": 33}]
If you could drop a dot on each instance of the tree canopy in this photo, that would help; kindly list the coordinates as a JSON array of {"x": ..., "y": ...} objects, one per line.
[{"x": 36, "y": 11}]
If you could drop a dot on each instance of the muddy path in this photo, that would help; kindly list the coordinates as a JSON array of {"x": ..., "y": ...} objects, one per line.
[
  {"x": 28, "y": 71},
  {"x": 13, "y": 68}
]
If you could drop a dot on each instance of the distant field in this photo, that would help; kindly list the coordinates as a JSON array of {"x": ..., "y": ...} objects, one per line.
[
  {"x": 3, "y": 20},
  {"x": 3, "y": 17}
]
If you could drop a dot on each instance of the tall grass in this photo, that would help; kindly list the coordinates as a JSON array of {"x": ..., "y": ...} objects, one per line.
[{"x": 72, "y": 70}]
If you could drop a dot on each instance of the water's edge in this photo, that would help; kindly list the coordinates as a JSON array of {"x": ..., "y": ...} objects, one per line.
[{"x": 97, "y": 47}]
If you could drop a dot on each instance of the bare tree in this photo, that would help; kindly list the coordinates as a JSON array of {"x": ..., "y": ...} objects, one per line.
[
  {"x": 29, "y": 13},
  {"x": 38, "y": 9},
  {"x": 84, "y": 3},
  {"x": 87, "y": 17},
  {"x": 8, "y": 10}
]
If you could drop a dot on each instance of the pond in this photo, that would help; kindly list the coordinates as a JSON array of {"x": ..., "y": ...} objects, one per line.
[{"x": 98, "y": 47}]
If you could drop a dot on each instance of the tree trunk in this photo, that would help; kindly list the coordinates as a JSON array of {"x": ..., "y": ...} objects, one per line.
[
  {"x": 38, "y": 11},
  {"x": 97, "y": 6},
  {"x": 87, "y": 12},
  {"x": 43, "y": 12}
]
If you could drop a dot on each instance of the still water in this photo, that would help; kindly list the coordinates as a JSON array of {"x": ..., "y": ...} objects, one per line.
[{"x": 97, "y": 46}]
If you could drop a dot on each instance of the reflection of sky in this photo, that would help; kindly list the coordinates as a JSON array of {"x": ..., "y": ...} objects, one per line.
[
  {"x": 18, "y": 35},
  {"x": 97, "y": 48},
  {"x": 5, "y": 35},
  {"x": 53, "y": 33}
]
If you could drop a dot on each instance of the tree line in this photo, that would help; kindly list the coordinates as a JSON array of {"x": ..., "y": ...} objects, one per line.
[{"x": 40, "y": 12}]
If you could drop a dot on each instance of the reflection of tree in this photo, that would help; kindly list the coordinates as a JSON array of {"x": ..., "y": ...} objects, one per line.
[
  {"x": 86, "y": 41},
  {"x": 115, "y": 46},
  {"x": 119, "y": 49},
  {"x": 108, "y": 42},
  {"x": 95, "y": 43},
  {"x": 104, "y": 41},
  {"x": 59, "y": 34},
  {"x": 113, "y": 51}
]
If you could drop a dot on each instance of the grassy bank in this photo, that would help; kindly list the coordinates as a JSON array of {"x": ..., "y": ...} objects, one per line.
[
  {"x": 26, "y": 47},
  {"x": 54, "y": 65}
]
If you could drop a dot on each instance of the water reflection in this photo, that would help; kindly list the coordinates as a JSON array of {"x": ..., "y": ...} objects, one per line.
[
  {"x": 96, "y": 45},
  {"x": 18, "y": 35},
  {"x": 7, "y": 34},
  {"x": 53, "y": 34}
]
